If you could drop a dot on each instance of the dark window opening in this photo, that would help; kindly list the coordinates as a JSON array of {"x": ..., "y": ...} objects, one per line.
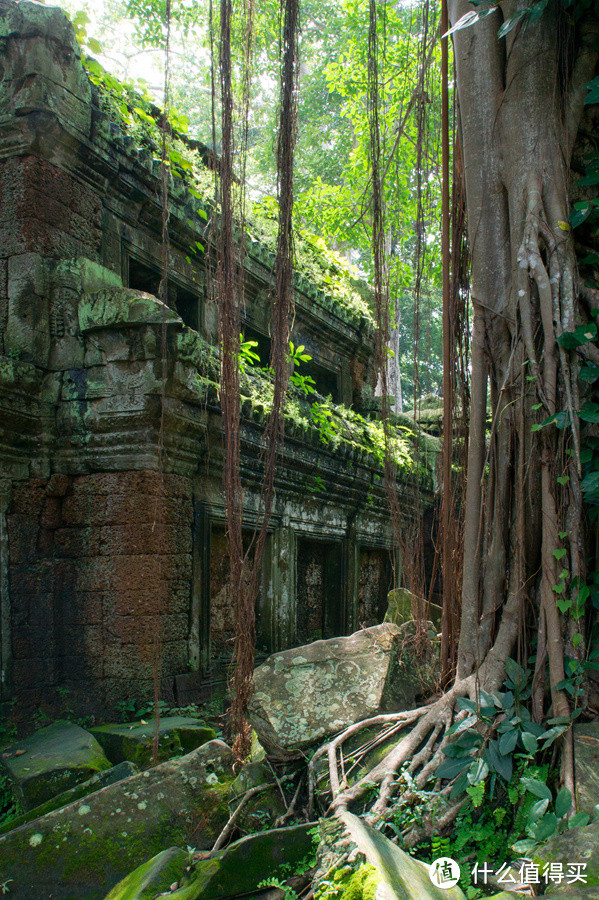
[
  {"x": 147, "y": 278},
  {"x": 143, "y": 278},
  {"x": 187, "y": 307},
  {"x": 263, "y": 348},
  {"x": 320, "y": 586},
  {"x": 375, "y": 580},
  {"x": 326, "y": 381}
]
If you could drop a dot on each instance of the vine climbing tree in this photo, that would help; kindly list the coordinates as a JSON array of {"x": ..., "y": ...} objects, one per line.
[{"x": 521, "y": 71}]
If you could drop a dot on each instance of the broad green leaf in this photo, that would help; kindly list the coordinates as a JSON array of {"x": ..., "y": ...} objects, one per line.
[
  {"x": 536, "y": 787},
  {"x": 468, "y": 19},
  {"x": 452, "y": 767},
  {"x": 508, "y": 741},
  {"x": 478, "y": 771},
  {"x": 552, "y": 734},
  {"x": 537, "y": 810},
  {"x": 580, "y": 819},
  {"x": 529, "y": 741},
  {"x": 563, "y": 802},
  {"x": 569, "y": 340},
  {"x": 546, "y": 827},
  {"x": 497, "y": 761},
  {"x": 459, "y": 786}
]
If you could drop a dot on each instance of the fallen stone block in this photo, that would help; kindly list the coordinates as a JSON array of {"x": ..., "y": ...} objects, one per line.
[
  {"x": 303, "y": 695},
  {"x": 108, "y": 776},
  {"x": 134, "y": 742},
  {"x": 81, "y": 851},
  {"x": 51, "y": 761},
  {"x": 236, "y": 870},
  {"x": 154, "y": 877}
]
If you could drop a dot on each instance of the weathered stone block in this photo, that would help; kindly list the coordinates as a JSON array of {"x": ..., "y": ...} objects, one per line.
[
  {"x": 102, "y": 779},
  {"x": 577, "y": 845},
  {"x": 134, "y": 742},
  {"x": 304, "y": 694},
  {"x": 237, "y": 870},
  {"x": 28, "y": 326},
  {"x": 79, "y": 852},
  {"x": 50, "y": 761}
]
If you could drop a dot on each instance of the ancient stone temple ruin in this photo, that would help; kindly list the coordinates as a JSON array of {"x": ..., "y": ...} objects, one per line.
[{"x": 111, "y": 526}]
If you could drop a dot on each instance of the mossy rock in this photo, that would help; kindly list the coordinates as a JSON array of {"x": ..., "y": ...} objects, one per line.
[
  {"x": 109, "y": 776},
  {"x": 262, "y": 809},
  {"x": 81, "y": 851},
  {"x": 347, "y": 884},
  {"x": 577, "y": 845},
  {"x": 153, "y": 878},
  {"x": 51, "y": 761},
  {"x": 236, "y": 870},
  {"x": 134, "y": 742}
]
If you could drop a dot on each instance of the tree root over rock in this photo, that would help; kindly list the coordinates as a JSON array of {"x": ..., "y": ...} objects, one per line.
[{"x": 418, "y": 754}]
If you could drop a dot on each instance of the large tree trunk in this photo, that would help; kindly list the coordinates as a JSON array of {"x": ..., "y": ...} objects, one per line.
[{"x": 521, "y": 99}]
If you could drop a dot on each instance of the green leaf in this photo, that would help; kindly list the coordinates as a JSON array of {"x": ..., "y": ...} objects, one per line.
[
  {"x": 546, "y": 827},
  {"x": 459, "y": 786},
  {"x": 466, "y": 723},
  {"x": 551, "y": 735},
  {"x": 578, "y": 216},
  {"x": 569, "y": 340},
  {"x": 468, "y": 19},
  {"x": 478, "y": 771},
  {"x": 537, "y": 810},
  {"x": 590, "y": 485},
  {"x": 508, "y": 741},
  {"x": 589, "y": 373},
  {"x": 536, "y": 787},
  {"x": 559, "y": 554},
  {"x": 512, "y": 22},
  {"x": 563, "y": 802},
  {"x": 529, "y": 741},
  {"x": 580, "y": 819},
  {"x": 452, "y": 767},
  {"x": 589, "y": 411},
  {"x": 497, "y": 761},
  {"x": 524, "y": 847},
  {"x": 563, "y": 604},
  {"x": 593, "y": 89},
  {"x": 94, "y": 45}
]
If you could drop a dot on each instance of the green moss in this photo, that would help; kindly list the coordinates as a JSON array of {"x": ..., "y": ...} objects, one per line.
[
  {"x": 350, "y": 884},
  {"x": 362, "y": 884},
  {"x": 324, "y": 276}
]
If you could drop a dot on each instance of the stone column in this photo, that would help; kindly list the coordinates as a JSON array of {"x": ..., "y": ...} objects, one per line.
[
  {"x": 281, "y": 589},
  {"x": 350, "y": 557}
]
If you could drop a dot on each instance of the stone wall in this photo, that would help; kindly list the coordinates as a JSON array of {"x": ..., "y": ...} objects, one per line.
[{"x": 100, "y": 573}]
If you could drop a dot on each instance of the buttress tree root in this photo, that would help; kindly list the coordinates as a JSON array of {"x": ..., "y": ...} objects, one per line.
[{"x": 521, "y": 99}]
